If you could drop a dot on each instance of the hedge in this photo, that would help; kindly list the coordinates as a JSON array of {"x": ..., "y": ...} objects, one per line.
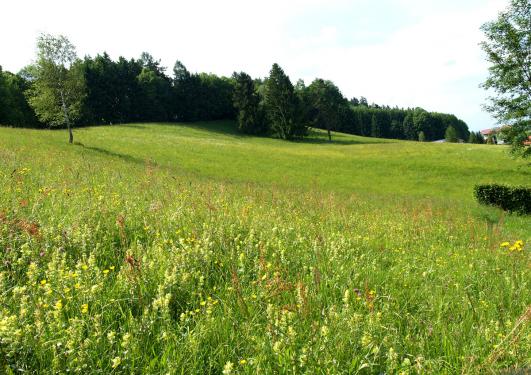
[{"x": 512, "y": 199}]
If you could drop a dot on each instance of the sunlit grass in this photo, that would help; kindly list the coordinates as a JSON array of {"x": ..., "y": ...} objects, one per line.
[{"x": 192, "y": 249}]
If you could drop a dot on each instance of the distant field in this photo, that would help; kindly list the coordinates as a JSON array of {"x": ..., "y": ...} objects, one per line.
[{"x": 189, "y": 248}]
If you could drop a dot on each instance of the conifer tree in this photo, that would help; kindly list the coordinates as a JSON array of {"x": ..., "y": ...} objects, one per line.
[
  {"x": 281, "y": 105},
  {"x": 246, "y": 101}
]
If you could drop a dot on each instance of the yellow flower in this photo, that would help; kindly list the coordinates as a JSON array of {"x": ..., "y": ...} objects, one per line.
[
  {"x": 111, "y": 268},
  {"x": 243, "y": 362},
  {"x": 84, "y": 308},
  {"x": 43, "y": 282},
  {"x": 110, "y": 336},
  {"x": 84, "y": 267},
  {"x": 116, "y": 362},
  {"x": 58, "y": 305},
  {"x": 105, "y": 272},
  {"x": 504, "y": 244}
]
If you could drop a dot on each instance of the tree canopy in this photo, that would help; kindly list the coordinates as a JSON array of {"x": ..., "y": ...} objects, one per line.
[
  {"x": 58, "y": 87},
  {"x": 100, "y": 90},
  {"x": 508, "y": 50}
]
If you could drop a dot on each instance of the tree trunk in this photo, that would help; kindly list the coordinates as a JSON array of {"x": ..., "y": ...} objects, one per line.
[
  {"x": 329, "y": 135},
  {"x": 67, "y": 119}
]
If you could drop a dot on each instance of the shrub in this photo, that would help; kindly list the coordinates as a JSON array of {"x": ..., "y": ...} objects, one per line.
[{"x": 513, "y": 199}]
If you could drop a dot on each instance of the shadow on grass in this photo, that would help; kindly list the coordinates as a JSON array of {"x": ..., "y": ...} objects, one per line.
[
  {"x": 320, "y": 137},
  {"x": 230, "y": 129},
  {"x": 134, "y": 126},
  {"x": 226, "y": 128},
  {"x": 124, "y": 157},
  {"x": 341, "y": 142}
]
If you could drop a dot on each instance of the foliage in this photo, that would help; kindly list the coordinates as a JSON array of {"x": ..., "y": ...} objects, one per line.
[
  {"x": 476, "y": 137},
  {"x": 518, "y": 136},
  {"x": 450, "y": 134},
  {"x": 14, "y": 108},
  {"x": 400, "y": 123},
  {"x": 508, "y": 49},
  {"x": 201, "y": 96},
  {"x": 140, "y": 90},
  {"x": 247, "y": 103},
  {"x": 325, "y": 103},
  {"x": 58, "y": 88},
  {"x": 512, "y": 199},
  {"x": 185, "y": 249},
  {"x": 422, "y": 137},
  {"x": 282, "y": 105}
]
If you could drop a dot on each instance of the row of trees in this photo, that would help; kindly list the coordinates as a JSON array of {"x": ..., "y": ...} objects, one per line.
[
  {"x": 275, "y": 104},
  {"x": 60, "y": 89}
]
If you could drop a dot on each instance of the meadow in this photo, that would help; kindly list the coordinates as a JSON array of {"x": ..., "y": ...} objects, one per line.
[{"x": 189, "y": 248}]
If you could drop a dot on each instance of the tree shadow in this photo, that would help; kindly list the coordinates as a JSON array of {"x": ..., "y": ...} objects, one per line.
[
  {"x": 129, "y": 125},
  {"x": 320, "y": 137},
  {"x": 124, "y": 157},
  {"x": 230, "y": 129},
  {"x": 340, "y": 142},
  {"x": 226, "y": 128}
]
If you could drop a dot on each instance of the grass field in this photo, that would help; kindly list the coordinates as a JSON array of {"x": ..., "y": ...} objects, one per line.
[{"x": 160, "y": 248}]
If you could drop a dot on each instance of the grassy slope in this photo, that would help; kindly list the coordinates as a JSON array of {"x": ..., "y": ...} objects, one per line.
[
  {"x": 312, "y": 219},
  {"x": 351, "y": 164}
]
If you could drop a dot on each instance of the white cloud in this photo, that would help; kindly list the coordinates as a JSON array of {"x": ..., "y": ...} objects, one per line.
[{"x": 433, "y": 61}]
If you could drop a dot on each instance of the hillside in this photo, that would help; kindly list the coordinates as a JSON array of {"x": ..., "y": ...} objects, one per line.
[{"x": 157, "y": 248}]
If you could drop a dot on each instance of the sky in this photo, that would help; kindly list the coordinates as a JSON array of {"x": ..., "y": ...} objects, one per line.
[{"x": 406, "y": 53}]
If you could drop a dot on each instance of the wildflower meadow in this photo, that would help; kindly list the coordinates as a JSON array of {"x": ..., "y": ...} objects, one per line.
[{"x": 169, "y": 249}]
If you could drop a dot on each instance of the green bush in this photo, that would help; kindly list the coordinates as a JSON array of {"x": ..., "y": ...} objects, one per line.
[{"x": 513, "y": 199}]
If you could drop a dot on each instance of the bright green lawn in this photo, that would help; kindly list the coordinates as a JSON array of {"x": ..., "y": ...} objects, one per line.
[{"x": 162, "y": 248}]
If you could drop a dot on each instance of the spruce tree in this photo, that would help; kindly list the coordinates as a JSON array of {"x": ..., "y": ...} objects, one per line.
[
  {"x": 246, "y": 101},
  {"x": 376, "y": 130},
  {"x": 281, "y": 105}
]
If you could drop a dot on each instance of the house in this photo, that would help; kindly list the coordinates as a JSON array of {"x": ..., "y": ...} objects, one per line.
[{"x": 493, "y": 133}]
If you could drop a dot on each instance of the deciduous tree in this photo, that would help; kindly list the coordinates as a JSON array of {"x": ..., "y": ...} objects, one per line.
[
  {"x": 58, "y": 89},
  {"x": 508, "y": 49}
]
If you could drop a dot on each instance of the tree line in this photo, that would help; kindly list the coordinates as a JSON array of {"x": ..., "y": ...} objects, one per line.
[{"x": 60, "y": 89}]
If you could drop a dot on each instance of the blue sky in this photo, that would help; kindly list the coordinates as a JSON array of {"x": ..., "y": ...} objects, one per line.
[{"x": 406, "y": 53}]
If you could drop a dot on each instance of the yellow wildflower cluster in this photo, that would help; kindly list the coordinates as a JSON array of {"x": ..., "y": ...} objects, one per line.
[{"x": 516, "y": 247}]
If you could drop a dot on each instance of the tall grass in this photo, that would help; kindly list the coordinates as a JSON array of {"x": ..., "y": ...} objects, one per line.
[{"x": 190, "y": 249}]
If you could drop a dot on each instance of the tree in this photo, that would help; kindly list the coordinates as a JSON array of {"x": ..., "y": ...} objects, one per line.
[
  {"x": 281, "y": 105},
  {"x": 246, "y": 102},
  {"x": 508, "y": 49},
  {"x": 475, "y": 137},
  {"x": 450, "y": 135},
  {"x": 113, "y": 90},
  {"x": 376, "y": 126},
  {"x": 518, "y": 137},
  {"x": 408, "y": 126},
  {"x": 326, "y": 102},
  {"x": 14, "y": 108},
  {"x": 422, "y": 137},
  {"x": 58, "y": 89}
]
